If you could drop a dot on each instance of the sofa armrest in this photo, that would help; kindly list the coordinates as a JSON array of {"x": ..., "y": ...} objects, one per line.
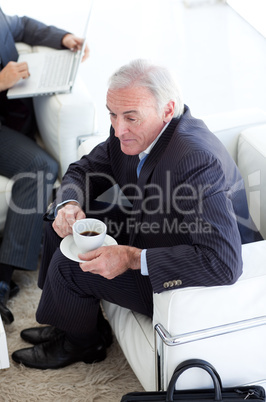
[
  {"x": 5, "y": 196},
  {"x": 87, "y": 146},
  {"x": 186, "y": 311},
  {"x": 4, "y": 359},
  {"x": 63, "y": 119},
  {"x": 23, "y": 48}
]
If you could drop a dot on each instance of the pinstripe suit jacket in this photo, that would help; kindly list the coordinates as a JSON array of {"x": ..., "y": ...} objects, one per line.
[{"x": 189, "y": 204}]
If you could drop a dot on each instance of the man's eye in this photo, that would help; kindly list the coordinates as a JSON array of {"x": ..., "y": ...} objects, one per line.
[
  {"x": 112, "y": 115},
  {"x": 131, "y": 119}
]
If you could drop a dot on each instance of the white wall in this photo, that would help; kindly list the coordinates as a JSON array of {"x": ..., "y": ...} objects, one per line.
[{"x": 220, "y": 60}]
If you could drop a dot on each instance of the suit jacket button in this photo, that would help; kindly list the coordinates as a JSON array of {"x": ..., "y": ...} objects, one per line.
[
  {"x": 166, "y": 285},
  {"x": 171, "y": 284},
  {"x": 177, "y": 282}
]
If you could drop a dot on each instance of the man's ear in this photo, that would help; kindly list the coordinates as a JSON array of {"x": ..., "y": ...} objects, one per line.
[{"x": 169, "y": 110}]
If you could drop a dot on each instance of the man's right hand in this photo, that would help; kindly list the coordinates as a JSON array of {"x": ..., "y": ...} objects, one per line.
[
  {"x": 66, "y": 217},
  {"x": 12, "y": 73}
]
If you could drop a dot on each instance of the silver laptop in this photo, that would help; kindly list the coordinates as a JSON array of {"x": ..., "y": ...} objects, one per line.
[{"x": 51, "y": 72}]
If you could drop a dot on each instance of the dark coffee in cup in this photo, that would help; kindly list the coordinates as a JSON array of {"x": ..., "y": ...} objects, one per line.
[{"x": 89, "y": 233}]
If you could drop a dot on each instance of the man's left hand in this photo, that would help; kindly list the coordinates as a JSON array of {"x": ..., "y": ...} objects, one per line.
[
  {"x": 74, "y": 43},
  {"x": 111, "y": 261}
]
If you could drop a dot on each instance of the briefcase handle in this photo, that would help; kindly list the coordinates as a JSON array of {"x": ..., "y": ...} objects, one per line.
[{"x": 192, "y": 363}]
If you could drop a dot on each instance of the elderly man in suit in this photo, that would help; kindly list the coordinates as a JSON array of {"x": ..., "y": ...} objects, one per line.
[
  {"x": 21, "y": 159},
  {"x": 188, "y": 218}
]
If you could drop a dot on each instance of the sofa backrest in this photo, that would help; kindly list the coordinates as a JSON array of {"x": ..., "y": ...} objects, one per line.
[
  {"x": 252, "y": 165},
  {"x": 243, "y": 132},
  {"x": 227, "y": 126}
]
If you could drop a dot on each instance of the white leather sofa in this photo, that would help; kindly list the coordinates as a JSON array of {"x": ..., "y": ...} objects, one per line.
[
  {"x": 225, "y": 325},
  {"x": 4, "y": 359},
  {"x": 63, "y": 122}
]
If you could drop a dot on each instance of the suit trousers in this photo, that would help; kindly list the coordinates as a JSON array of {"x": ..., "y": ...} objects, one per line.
[
  {"x": 34, "y": 173},
  {"x": 71, "y": 298}
]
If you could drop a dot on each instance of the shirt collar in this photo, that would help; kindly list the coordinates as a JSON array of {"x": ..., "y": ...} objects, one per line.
[{"x": 148, "y": 150}]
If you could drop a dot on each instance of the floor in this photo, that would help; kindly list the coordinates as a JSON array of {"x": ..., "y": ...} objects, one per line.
[{"x": 217, "y": 57}]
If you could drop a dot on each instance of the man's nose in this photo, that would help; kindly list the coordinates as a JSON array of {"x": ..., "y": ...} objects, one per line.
[{"x": 120, "y": 127}]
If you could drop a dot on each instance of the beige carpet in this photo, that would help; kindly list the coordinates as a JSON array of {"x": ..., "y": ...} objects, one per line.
[{"x": 106, "y": 381}]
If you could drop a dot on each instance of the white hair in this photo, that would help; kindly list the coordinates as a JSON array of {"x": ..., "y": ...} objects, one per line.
[{"x": 157, "y": 79}]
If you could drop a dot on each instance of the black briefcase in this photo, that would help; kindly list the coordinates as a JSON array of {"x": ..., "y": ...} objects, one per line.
[{"x": 218, "y": 393}]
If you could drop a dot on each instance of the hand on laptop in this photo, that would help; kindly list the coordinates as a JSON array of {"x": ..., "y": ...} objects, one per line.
[
  {"x": 74, "y": 43},
  {"x": 12, "y": 73}
]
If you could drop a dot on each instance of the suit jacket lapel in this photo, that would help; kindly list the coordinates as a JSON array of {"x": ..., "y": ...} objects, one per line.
[{"x": 147, "y": 169}]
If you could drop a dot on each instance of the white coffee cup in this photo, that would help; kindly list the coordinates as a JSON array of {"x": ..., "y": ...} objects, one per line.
[{"x": 89, "y": 234}]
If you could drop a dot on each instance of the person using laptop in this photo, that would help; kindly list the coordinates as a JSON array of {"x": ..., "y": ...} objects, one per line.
[{"x": 21, "y": 159}]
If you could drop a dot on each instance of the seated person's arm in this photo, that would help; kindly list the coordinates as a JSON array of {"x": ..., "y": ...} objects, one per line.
[{"x": 36, "y": 33}]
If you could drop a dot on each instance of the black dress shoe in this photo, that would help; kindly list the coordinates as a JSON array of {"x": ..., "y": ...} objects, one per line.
[
  {"x": 14, "y": 289},
  {"x": 59, "y": 353},
  {"x": 38, "y": 335},
  {"x": 5, "y": 313}
]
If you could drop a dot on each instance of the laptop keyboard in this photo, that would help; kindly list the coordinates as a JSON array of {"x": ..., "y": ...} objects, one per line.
[{"x": 55, "y": 70}]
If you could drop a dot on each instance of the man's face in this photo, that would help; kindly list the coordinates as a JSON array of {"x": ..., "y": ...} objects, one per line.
[{"x": 134, "y": 117}]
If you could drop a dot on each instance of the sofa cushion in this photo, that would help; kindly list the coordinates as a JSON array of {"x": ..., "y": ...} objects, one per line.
[{"x": 252, "y": 165}]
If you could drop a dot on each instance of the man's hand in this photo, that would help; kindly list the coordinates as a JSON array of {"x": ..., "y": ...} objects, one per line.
[
  {"x": 12, "y": 73},
  {"x": 74, "y": 43},
  {"x": 66, "y": 217},
  {"x": 111, "y": 261}
]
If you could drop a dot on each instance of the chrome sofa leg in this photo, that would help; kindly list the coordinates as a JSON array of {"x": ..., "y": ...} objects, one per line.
[{"x": 163, "y": 339}]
